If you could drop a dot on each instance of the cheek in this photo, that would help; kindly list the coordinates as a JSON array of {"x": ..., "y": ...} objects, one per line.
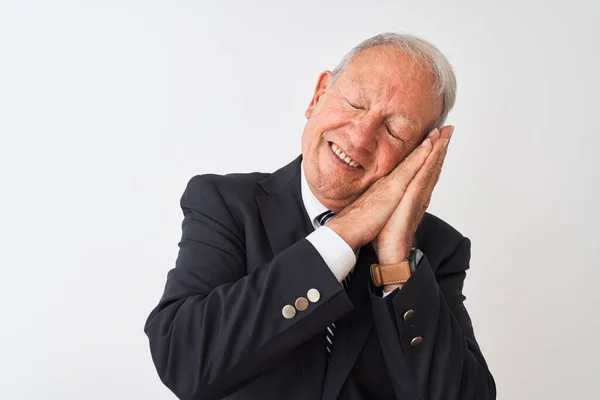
[
  {"x": 389, "y": 157},
  {"x": 331, "y": 116}
]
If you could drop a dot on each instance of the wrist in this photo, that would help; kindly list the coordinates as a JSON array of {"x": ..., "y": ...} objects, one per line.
[
  {"x": 391, "y": 288},
  {"x": 393, "y": 253},
  {"x": 346, "y": 234},
  {"x": 412, "y": 257},
  {"x": 391, "y": 257}
]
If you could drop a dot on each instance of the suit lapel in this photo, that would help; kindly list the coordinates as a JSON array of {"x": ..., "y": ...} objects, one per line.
[
  {"x": 282, "y": 211},
  {"x": 286, "y": 221},
  {"x": 353, "y": 329}
]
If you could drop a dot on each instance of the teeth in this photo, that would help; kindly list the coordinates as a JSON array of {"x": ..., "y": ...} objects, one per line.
[{"x": 342, "y": 156}]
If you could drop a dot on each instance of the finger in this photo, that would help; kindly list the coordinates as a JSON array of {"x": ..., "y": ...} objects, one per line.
[
  {"x": 418, "y": 193},
  {"x": 433, "y": 180},
  {"x": 435, "y": 136},
  {"x": 427, "y": 191},
  {"x": 446, "y": 132},
  {"x": 420, "y": 206},
  {"x": 404, "y": 172},
  {"x": 438, "y": 168},
  {"x": 390, "y": 188},
  {"x": 438, "y": 134},
  {"x": 416, "y": 198},
  {"x": 428, "y": 169}
]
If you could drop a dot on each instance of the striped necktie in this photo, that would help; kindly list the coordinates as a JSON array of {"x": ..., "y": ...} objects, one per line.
[{"x": 330, "y": 332}]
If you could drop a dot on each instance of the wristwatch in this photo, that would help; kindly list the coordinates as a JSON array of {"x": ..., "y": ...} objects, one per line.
[{"x": 389, "y": 274}]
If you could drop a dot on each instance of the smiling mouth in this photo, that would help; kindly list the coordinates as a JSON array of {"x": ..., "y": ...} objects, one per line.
[{"x": 342, "y": 156}]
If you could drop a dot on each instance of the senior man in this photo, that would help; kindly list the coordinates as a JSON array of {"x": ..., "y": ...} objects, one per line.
[{"x": 327, "y": 279}]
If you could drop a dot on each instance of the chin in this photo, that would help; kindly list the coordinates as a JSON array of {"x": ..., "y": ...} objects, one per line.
[{"x": 337, "y": 193}]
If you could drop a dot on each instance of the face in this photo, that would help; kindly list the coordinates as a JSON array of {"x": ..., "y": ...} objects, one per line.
[{"x": 379, "y": 109}]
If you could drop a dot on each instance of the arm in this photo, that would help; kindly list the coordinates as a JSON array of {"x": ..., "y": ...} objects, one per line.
[
  {"x": 338, "y": 255},
  {"x": 448, "y": 364},
  {"x": 217, "y": 326}
]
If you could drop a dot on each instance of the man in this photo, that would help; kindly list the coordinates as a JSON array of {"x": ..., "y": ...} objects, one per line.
[{"x": 326, "y": 279}]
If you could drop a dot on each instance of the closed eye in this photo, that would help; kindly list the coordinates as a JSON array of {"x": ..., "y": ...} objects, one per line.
[
  {"x": 389, "y": 131},
  {"x": 352, "y": 105}
]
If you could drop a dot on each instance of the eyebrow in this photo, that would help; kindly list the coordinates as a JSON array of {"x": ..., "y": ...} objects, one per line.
[{"x": 401, "y": 113}]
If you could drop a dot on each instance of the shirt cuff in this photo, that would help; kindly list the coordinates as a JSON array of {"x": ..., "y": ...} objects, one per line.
[{"x": 337, "y": 254}]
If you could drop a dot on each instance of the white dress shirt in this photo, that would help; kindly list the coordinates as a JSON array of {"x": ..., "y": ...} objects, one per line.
[{"x": 337, "y": 254}]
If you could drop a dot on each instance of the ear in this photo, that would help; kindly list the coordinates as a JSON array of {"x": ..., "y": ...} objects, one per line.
[{"x": 320, "y": 89}]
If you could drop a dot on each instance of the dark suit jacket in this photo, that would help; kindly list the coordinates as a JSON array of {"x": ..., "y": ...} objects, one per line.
[{"x": 218, "y": 330}]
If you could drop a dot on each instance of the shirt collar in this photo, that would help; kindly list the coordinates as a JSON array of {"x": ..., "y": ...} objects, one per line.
[{"x": 313, "y": 206}]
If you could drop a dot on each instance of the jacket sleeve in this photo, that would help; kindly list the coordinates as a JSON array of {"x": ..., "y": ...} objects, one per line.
[
  {"x": 448, "y": 363},
  {"x": 218, "y": 326}
]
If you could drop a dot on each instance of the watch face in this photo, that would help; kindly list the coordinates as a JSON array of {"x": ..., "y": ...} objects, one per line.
[
  {"x": 411, "y": 254},
  {"x": 418, "y": 255},
  {"x": 415, "y": 259}
]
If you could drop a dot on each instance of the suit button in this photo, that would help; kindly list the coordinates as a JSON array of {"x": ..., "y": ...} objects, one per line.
[
  {"x": 301, "y": 303},
  {"x": 416, "y": 341},
  {"x": 288, "y": 312},
  {"x": 313, "y": 295},
  {"x": 408, "y": 314}
]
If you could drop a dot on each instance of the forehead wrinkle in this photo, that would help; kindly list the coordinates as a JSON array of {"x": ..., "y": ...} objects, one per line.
[{"x": 368, "y": 90}]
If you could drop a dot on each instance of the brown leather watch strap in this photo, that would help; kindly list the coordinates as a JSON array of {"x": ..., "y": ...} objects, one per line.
[{"x": 388, "y": 274}]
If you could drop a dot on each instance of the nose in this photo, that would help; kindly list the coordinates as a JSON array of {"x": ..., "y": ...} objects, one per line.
[{"x": 363, "y": 133}]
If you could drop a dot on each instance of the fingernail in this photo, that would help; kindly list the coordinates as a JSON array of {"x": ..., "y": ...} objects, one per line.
[
  {"x": 433, "y": 132},
  {"x": 425, "y": 142},
  {"x": 451, "y": 131}
]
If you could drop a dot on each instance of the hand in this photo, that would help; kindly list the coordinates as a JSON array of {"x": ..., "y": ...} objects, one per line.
[
  {"x": 361, "y": 222},
  {"x": 395, "y": 239}
]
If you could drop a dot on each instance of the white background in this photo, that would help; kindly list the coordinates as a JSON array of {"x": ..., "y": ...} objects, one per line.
[{"x": 108, "y": 108}]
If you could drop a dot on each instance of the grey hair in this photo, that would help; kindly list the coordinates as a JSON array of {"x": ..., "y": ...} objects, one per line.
[{"x": 418, "y": 50}]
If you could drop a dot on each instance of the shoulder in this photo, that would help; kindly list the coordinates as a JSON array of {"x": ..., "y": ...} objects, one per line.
[
  {"x": 432, "y": 226},
  {"x": 438, "y": 239},
  {"x": 227, "y": 198},
  {"x": 230, "y": 187}
]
